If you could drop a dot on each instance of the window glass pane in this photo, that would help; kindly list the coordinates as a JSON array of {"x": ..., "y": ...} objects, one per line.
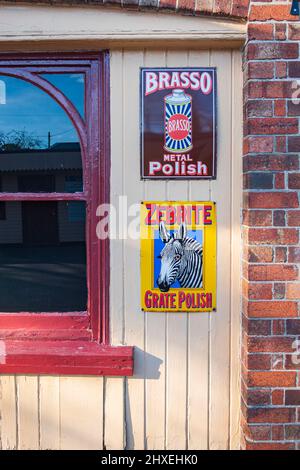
[
  {"x": 43, "y": 257},
  {"x": 2, "y": 211},
  {"x": 71, "y": 85},
  {"x": 39, "y": 146},
  {"x": 2, "y": 206}
]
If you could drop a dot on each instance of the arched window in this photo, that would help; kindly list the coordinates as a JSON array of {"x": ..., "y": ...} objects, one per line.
[
  {"x": 42, "y": 242},
  {"x": 54, "y": 173}
]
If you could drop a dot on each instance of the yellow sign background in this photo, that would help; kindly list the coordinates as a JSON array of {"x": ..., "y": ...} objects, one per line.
[{"x": 209, "y": 260}]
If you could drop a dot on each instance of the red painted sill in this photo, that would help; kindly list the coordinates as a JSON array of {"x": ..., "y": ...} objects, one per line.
[
  {"x": 65, "y": 358},
  {"x": 66, "y": 350}
]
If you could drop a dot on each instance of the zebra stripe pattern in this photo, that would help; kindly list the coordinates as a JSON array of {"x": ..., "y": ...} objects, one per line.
[{"x": 192, "y": 275}]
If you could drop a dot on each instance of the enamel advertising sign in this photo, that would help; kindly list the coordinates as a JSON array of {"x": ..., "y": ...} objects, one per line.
[
  {"x": 178, "y": 123},
  {"x": 178, "y": 256}
]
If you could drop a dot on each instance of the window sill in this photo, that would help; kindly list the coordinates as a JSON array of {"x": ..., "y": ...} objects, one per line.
[{"x": 65, "y": 358}]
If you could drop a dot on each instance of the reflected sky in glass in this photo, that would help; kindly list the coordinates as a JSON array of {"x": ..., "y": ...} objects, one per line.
[
  {"x": 71, "y": 85},
  {"x": 26, "y": 109}
]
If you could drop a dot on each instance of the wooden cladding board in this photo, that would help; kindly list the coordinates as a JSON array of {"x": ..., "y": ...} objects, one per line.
[{"x": 185, "y": 392}]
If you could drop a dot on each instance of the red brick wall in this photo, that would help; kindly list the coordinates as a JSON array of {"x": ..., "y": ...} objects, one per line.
[
  {"x": 271, "y": 322},
  {"x": 234, "y": 8}
]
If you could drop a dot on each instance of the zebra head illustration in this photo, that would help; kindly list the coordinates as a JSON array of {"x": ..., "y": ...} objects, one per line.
[{"x": 181, "y": 259}]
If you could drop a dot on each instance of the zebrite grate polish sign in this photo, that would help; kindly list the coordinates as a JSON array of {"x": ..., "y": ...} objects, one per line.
[
  {"x": 178, "y": 123},
  {"x": 178, "y": 256}
]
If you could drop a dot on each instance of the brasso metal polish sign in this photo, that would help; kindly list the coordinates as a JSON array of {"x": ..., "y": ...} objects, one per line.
[{"x": 178, "y": 123}]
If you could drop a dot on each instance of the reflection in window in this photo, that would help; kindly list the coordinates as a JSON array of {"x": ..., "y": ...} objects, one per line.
[
  {"x": 43, "y": 257},
  {"x": 2, "y": 206},
  {"x": 71, "y": 85},
  {"x": 42, "y": 243},
  {"x": 36, "y": 138},
  {"x": 76, "y": 211},
  {"x": 2, "y": 92},
  {"x": 2, "y": 210}
]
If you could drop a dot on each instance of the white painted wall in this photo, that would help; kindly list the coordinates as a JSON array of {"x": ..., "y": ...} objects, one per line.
[{"x": 185, "y": 392}]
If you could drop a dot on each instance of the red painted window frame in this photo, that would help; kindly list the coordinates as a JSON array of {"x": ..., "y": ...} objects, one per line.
[{"x": 76, "y": 342}]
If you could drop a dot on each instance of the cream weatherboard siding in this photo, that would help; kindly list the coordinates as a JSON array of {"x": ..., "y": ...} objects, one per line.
[{"x": 185, "y": 391}]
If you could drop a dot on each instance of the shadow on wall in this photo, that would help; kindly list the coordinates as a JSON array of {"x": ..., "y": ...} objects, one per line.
[{"x": 146, "y": 366}]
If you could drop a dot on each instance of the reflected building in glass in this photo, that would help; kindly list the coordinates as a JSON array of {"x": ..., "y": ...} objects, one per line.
[{"x": 42, "y": 242}]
